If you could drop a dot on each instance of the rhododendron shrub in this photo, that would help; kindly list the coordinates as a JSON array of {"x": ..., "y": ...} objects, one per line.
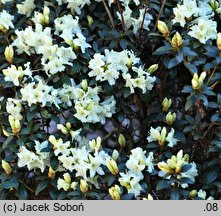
[{"x": 110, "y": 99}]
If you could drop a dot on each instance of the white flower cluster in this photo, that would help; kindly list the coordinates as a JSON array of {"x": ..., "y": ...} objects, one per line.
[
  {"x": 107, "y": 67},
  {"x": 173, "y": 168},
  {"x": 29, "y": 41},
  {"x": 54, "y": 58},
  {"x": 87, "y": 103},
  {"x": 143, "y": 80},
  {"x": 40, "y": 41},
  {"x": 15, "y": 74},
  {"x": 68, "y": 28},
  {"x": 130, "y": 21},
  {"x": 34, "y": 160},
  {"x": 136, "y": 164},
  {"x": 204, "y": 30},
  {"x": 202, "y": 27},
  {"x": 6, "y": 20},
  {"x": 39, "y": 92},
  {"x": 161, "y": 136},
  {"x": 185, "y": 11},
  {"x": 85, "y": 162}
]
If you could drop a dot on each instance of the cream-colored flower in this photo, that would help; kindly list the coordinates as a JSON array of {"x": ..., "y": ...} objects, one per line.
[
  {"x": 115, "y": 192},
  {"x": 26, "y": 7}
]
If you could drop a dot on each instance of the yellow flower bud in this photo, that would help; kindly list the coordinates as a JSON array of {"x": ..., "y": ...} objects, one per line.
[
  {"x": 186, "y": 158},
  {"x": 125, "y": 184},
  {"x": 9, "y": 54},
  {"x": 3, "y": 29},
  {"x": 98, "y": 143},
  {"x": 15, "y": 124},
  {"x": 83, "y": 186},
  {"x": 53, "y": 141},
  {"x": 92, "y": 144},
  {"x": 68, "y": 125},
  {"x": 6, "y": 166},
  {"x": 166, "y": 104},
  {"x": 115, "y": 192},
  {"x": 112, "y": 166},
  {"x": 202, "y": 77},
  {"x": 193, "y": 193},
  {"x": 95, "y": 144},
  {"x": 51, "y": 173},
  {"x": 121, "y": 140},
  {"x": 67, "y": 178},
  {"x": 152, "y": 68},
  {"x": 197, "y": 81},
  {"x": 46, "y": 13},
  {"x": 44, "y": 17},
  {"x": 194, "y": 84},
  {"x": 214, "y": 4},
  {"x": 84, "y": 85},
  {"x": 129, "y": 63},
  {"x": 60, "y": 126},
  {"x": 162, "y": 27},
  {"x": 170, "y": 118},
  {"x": 162, "y": 137},
  {"x": 177, "y": 41},
  {"x": 115, "y": 155},
  {"x": 219, "y": 41},
  {"x": 64, "y": 131},
  {"x": 90, "y": 21},
  {"x": 195, "y": 76}
]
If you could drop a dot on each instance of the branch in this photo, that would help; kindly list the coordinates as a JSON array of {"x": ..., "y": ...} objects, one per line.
[
  {"x": 108, "y": 13},
  {"x": 145, "y": 12},
  {"x": 141, "y": 27},
  {"x": 159, "y": 15}
]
